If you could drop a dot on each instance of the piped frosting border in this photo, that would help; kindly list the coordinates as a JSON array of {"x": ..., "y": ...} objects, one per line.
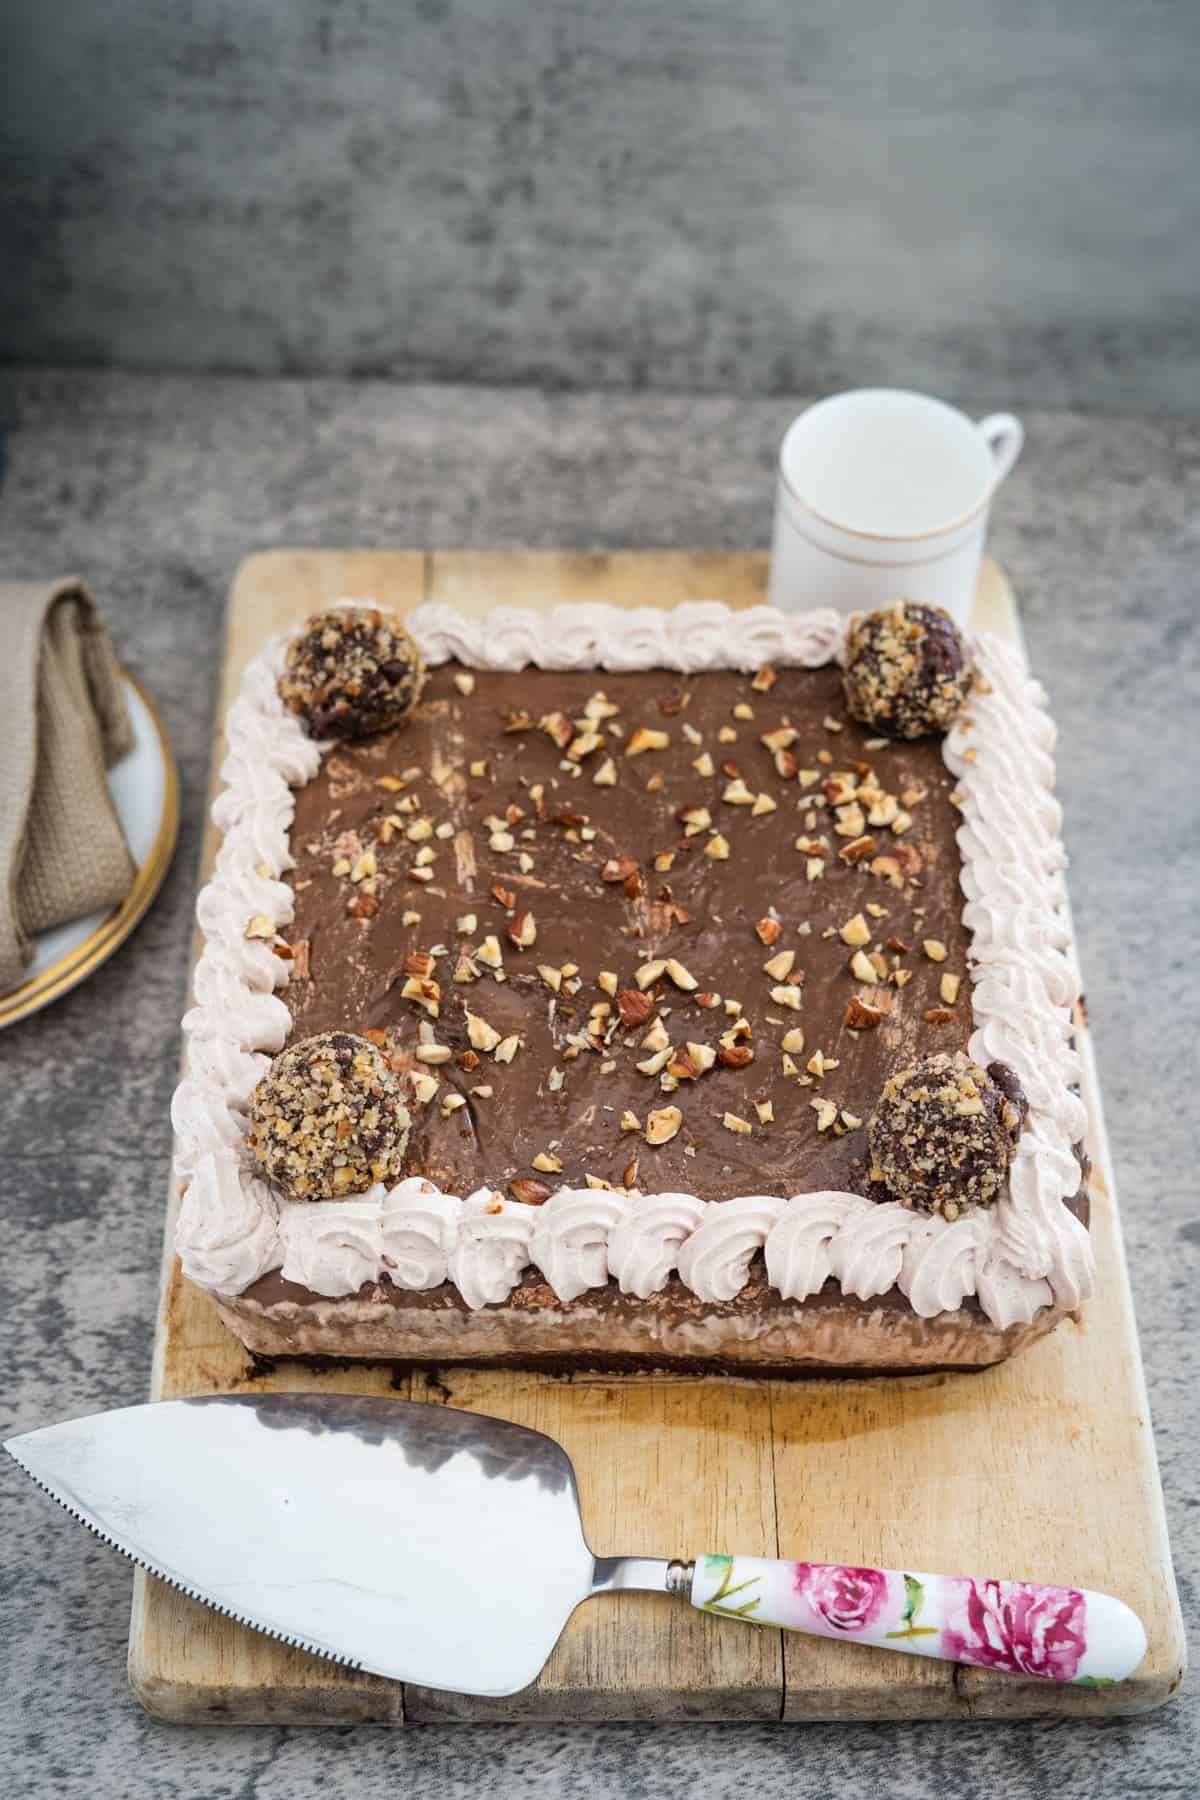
[{"x": 1028, "y": 1252}]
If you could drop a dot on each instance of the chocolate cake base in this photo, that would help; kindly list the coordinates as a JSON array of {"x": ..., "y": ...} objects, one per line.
[{"x": 756, "y": 1334}]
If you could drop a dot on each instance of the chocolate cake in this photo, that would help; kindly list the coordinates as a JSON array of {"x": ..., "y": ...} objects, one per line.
[{"x": 641, "y": 992}]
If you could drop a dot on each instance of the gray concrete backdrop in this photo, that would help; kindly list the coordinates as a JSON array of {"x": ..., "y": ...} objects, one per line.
[
  {"x": 994, "y": 196},
  {"x": 155, "y": 488}
]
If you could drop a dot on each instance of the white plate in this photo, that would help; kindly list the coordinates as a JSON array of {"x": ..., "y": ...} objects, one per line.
[{"x": 145, "y": 792}]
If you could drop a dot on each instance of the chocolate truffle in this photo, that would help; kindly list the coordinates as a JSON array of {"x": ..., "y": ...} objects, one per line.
[
  {"x": 352, "y": 672},
  {"x": 944, "y": 1132},
  {"x": 907, "y": 671},
  {"x": 327, "y": 1119}
]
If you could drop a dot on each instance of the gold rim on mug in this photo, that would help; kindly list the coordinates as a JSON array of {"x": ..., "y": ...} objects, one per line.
[
  {"x": 887, "y": 537},
  {"x": 108, "y": 936},
  {"x": 870, "y": 562}
]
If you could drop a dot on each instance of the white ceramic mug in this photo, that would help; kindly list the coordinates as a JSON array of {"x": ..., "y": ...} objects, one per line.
[{"x": 884, "y": 495}]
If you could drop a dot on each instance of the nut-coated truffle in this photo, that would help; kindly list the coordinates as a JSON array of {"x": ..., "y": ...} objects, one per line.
[
  {"x": 352, "y": 673},
  {"x": 328, "y": 1119},
  {"x": 907, "y": 671},
  {"x": 943, "y": 1134}
]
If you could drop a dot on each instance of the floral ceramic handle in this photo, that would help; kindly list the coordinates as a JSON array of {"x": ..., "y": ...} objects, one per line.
[{"x": 1060, "y": 1634}]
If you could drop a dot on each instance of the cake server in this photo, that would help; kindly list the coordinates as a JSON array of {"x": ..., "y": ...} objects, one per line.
[{"x": 445, "y": 1548}]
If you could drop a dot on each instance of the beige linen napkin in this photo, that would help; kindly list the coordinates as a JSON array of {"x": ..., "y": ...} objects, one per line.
[{"x": 64, "y": 722}]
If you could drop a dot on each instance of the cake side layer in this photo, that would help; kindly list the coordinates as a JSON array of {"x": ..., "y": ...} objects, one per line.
[
  {"x": 228, "y": 1243},
  {"x": 830, "y": 1332}
]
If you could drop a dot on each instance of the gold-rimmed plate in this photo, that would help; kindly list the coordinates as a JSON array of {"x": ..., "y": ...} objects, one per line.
[{"x": 145, "y": 792}]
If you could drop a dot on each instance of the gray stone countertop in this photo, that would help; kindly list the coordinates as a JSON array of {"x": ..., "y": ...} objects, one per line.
[{"x": 154, "y": 488}]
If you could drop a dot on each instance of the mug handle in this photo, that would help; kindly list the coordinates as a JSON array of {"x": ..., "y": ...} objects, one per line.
[{"x": 1004, "y": 435}]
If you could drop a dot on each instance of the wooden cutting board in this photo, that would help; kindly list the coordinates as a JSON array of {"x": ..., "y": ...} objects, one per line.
[{"x": 1043, "y": 1468}]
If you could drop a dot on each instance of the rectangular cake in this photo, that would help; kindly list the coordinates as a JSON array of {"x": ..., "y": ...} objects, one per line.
[{"x": 635, "y": 989}]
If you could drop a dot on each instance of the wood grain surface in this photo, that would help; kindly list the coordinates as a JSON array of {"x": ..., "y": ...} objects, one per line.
[{"x": 1041, "y": 1468}]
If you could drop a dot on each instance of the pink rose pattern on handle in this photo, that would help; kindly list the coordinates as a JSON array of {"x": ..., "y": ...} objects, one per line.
[
  {"x": 1014, "y": 1625},
  {"x": 841, "y": 1599},
  {"x": 1022, "y": 1628}
]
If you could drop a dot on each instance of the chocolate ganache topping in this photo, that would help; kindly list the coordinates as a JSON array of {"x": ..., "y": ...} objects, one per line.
[{"x": 644, "y": 930}]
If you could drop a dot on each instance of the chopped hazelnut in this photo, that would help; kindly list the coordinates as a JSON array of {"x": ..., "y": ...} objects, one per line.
[
  {"x": 646, "y": 738},
  {"x": 529, "y": 1191},
  {"x": 634, "y": 1007},
  {"x": 732, "y": 1122},
  {"x": 663, "y": 1124},
  {"x": 782, "y": 738},
  {"x": 934, "y": 949},
  {"x": 522, "y": 930},
  {"x": 856, "y": 932},
  {"x": 481, "y": 1035},
  {"x": 779, "y": 966},
  {"x": 558, "y": 728},
  {"x": 425, "y": 992},
  {"x": 826, "y": 1113}
]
